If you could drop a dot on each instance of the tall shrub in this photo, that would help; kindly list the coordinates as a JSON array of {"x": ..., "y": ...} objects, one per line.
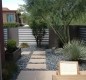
[{"x": 39, "y": 30}]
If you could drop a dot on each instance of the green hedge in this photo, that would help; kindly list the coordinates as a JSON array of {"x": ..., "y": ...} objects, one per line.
[{"x": 9, "y": 25}]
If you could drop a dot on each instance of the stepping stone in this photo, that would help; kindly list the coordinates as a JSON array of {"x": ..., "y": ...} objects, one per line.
[
  {"x": 36, "y": 66},
  {"x": 38, "y": 57},
  {"x": 26, "y": 75},
  {"x": 26, "y": 52},
  {"x": 44, "y": 75},
  {"x": 36, "y": 75},
  {"x": 37, "y": 61},
  {"x": 39, "y": 52}
]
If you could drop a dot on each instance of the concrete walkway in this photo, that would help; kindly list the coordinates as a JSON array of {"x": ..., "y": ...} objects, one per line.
[
  {"x": 36, "y": 75},
  {"x": 35, "y": 67},
  {"x": 37, "y": 61}
]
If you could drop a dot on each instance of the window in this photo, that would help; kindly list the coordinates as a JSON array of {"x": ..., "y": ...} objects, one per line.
[{"x": 10, "y": 17}]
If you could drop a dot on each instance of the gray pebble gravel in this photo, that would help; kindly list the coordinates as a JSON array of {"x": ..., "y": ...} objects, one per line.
[{"x": 52, "y": 60}]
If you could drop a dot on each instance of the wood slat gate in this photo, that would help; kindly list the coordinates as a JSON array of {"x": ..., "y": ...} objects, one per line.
[{"x": 26, "y": 36}]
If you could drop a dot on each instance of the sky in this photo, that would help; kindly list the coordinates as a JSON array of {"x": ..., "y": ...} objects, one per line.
[{"x": 12, "y": 4}]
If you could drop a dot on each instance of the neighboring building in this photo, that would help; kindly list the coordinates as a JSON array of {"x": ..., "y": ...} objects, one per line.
[{"x": 11, "y": 16}]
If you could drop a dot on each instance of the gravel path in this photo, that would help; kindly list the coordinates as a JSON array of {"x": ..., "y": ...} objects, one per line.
[{"x": 52, "y": 60}]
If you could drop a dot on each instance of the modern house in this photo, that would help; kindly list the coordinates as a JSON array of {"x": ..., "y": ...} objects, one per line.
[{"x": 11, "y": 16}]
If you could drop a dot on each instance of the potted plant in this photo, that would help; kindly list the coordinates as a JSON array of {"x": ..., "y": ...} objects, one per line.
[{"x": 12, "y": 52}]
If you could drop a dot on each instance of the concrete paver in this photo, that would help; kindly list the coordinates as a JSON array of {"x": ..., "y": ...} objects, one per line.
[
  {"x": 44, "y": 75},
  {"x": 37, "y": 61},
  {"x": 26, "y": 52},
  {"x": 36, "y": 66},
  {"x": 26, "y": 75},
  {"x": 38, "y": 56},
  {"x": 36, "y": 75},
  {"x": 39, "y": 52}
]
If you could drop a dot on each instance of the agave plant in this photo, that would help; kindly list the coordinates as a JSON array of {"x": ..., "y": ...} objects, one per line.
[{"x": 74, "y": 50}]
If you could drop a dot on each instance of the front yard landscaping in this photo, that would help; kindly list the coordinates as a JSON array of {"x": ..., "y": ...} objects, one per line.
[{"x": 52, "y": 60}]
